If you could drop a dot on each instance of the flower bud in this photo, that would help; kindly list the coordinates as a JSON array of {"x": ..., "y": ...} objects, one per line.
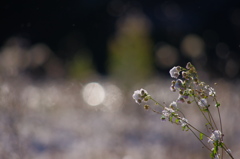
[
  {"x": 203, "y": 102},
  {"x": 189, "y": 65},
  {"x": 172, "y": 88},
  {"x": 178, "y": 68},
  {"x": 184, "y": 74},
  {"x": 146, "y": 107},
  {"x": 173, "y": 105},
  {"x": 174, "y": 72}
]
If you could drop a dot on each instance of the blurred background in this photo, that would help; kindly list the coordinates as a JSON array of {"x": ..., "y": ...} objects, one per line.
[{"x": 68, "y": 70}]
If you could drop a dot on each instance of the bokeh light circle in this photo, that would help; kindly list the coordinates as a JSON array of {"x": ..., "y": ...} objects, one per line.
[
  {"x": 166, "y": 56},
  {"x": 93, "y": 94},
  {"x": 114, "y": 97},
  {"x": 193, "y": 46}
]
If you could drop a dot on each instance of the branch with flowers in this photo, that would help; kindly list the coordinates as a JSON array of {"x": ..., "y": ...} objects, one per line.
[{"x": 191, "y": 91}]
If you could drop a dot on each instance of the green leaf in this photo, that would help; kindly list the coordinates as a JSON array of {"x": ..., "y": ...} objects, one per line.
[
  {"x": 183, "y": 128},
  {"x": 205, "y": 110},
  {"x": 163, "y": 117},
  {"x": 221, "y": 144},
  {"x": 201, "y": 136},
  {"x": 215, "y": 150},
  {"x": 177, "y": 121},
  {"x": 170, "y": 118},
  {"x": 212, "y": 155},
  {"x": 217, "y": 104}
]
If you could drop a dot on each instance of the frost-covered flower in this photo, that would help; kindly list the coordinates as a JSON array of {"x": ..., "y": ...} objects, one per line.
[
  {"x": 181, "y": 98},
  {"x": 203, "y": 102},
  {"x": 173, "y": 105},
  {"x": 140, "y": 95},
  {"x": 189, "y": 65},
  {"x": 217, "y": 156},
  {"x": 216, "y": 135},
  {"x": 174, "y": 72},
  {"x": 172, "y": 88},
  {"x": 211, "y": 92},
  {"x": 185, "y": 75},
  {"x": 229, "y": 151},
  {"x": 179, "y": 84},
  {"x": 167, "y": 111},
  {"x": 183, "y": 122}
]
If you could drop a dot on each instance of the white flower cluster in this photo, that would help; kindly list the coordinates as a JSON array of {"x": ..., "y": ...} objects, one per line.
[
  {"x": 183, "y": 122},
  {"x": 140, "y": 96},
  {"x": 175, "y": 72},
  {"x": 173, "y": 105},
  {"x": 211, "y": 91},
  {"x": 216, "y": 136},
  {"x": 167, "y": 111},
  {"x": 190, "y": 90},
  {"x": 203, "y": 103}
]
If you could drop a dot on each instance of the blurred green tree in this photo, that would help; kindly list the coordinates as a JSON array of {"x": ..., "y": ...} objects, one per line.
[{"x": 130, "y": 58}]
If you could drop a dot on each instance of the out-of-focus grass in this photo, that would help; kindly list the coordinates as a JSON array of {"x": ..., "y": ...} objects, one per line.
[{"x": 52, "y": 120}]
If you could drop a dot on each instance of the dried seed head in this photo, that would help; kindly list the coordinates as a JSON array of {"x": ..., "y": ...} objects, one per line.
[{"x": 146, "y": 107}]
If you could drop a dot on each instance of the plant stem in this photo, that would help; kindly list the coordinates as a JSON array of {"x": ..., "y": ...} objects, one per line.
[
  {"x": 203, "y": 113},
  {"x": 157, "y": 102},
  {"x": 199, "y": 139},
  {"x": 220, "y": 120},
  {"x": 225, "y": 149},
  {"x": 212, "y": 119},
  {"x": 197, "y": 130},
  {"x": 155, "y": 110},
  {"x": 181, "y": 113}
]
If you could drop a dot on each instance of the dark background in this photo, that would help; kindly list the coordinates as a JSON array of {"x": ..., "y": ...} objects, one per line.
[{"x": 66, "y": 26}]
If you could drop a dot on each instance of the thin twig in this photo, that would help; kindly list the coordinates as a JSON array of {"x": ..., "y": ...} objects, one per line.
[
  {"x": 199, "y": 139},
  {"x": 203, "y": 113}
]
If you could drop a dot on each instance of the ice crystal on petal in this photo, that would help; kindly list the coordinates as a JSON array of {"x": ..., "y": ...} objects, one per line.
[
  {"x": 189, "y": 65},
  {"x": 211, "y": 92},
  {"x": 174, "y": 72},
  {"x": 143, "y": 92},
  {"x": 137, "y": 97},
  {"x": 172, "y": 88},
  {"x": 179, "y": 84},
  {"x": 217, "y": 156},
  {"x": 167, "y": 111},
  {"x": 202, "y": 102},
  {"x": 173, "y": 105},
  {"x": 183, "y": 122},
  {"x": 181, "y": 98},
  {"x": 216, "y": 135},
  {"x": 229, "y": 151}
]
